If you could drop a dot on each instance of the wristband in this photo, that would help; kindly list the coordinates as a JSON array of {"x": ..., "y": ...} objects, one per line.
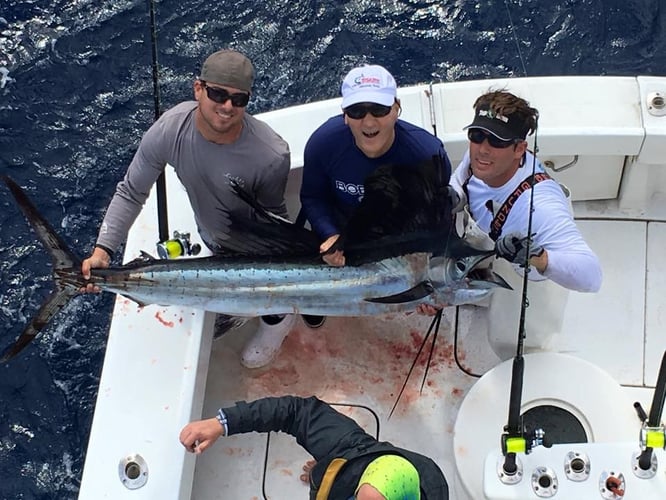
[{"x": 222, "y": 419}]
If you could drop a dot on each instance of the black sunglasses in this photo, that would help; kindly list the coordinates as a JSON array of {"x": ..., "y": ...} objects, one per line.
[
  {"x": 238, "y": 100},
  {"x": 477, "y": 136},
  {"x": 358, "y": 111}
]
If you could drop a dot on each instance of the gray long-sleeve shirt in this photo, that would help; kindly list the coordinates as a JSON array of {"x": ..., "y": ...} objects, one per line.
[{"x": 259, "y": 159}]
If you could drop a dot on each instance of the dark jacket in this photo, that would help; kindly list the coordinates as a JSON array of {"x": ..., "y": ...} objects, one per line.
[
  {"x": 327, "y": 434},
  {"x": 334, "y": 169}
]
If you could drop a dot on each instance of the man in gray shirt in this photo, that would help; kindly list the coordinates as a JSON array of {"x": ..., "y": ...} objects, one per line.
[{"x": 208, "y": 142}]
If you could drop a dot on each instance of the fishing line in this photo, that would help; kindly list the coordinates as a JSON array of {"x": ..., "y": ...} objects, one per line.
[
  {"x": 162, "y": 216},
  {"x": 455, "y": 333},
  {"x": 456, "y": 357},
  {"x": 268, "y": 440},
  {"x": 155, "y": 67},
  {"x": 514, "y": 428},
  {"x": 438, "y": 317},
  {"x": 263, "y": 476},
  {"x": 528, "y": 244},
  {"x": 434, "y": 324},
  {"x": 515, "y": 38},
  {"x": 364, "y": 407}
]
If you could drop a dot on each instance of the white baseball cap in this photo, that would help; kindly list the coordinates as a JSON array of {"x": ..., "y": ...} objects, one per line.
[{"x": 370, "y": 83}]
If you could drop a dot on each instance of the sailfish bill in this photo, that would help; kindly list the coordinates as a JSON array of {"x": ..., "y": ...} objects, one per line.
[{"x": 275, "y": 268}]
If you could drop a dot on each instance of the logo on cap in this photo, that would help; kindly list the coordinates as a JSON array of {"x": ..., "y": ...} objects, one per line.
[
  {"x": 363, "y": 80},
  {"x": 368, "y": 84},
  {"x": 489, "y": 113}
]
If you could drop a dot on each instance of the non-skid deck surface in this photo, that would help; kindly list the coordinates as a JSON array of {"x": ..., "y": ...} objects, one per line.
[
  {"x": 621, "y": 329},
  {"x": 363, "y": 361}
]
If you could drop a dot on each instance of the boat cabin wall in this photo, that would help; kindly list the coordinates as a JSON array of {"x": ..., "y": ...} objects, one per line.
[
  {"x": 600, "y": 136},
  {"x": 603, "y": 137}
]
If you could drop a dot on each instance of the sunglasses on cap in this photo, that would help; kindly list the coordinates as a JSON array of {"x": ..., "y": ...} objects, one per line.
[
  {"x": 477, "y": 136},
  {"x": 238, "y": 100},
  {"x": 360, "y": 110}
]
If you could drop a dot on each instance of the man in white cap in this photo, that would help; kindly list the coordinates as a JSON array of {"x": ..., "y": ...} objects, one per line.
[
  {"x": 342, "y": 152},
  {"x": 208, "y": 142}
]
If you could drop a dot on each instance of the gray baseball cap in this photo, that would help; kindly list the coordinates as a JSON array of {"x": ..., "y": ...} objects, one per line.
[{"x": 228, "y": 68}]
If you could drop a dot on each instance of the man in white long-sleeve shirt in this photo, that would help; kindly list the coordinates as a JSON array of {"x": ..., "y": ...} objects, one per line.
[
  {"x": 495, "y": 182},
  {"x": 493, "y": 178}
]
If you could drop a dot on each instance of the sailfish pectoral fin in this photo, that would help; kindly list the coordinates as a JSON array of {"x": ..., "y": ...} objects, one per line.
[
  {"x": 51, "y": 306},
  {"x": 494, "y": 281},
  {"x": 417, "y": 292}
]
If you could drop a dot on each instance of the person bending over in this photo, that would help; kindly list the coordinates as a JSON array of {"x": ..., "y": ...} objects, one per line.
[{"x": 348, "y": 462}]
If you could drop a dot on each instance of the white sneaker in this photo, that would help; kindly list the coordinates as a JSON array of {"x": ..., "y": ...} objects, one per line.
[{"x": 265, "y": 343}]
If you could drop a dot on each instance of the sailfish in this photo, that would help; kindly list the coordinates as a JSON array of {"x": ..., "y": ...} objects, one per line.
[{"x": 400, "y": 249}]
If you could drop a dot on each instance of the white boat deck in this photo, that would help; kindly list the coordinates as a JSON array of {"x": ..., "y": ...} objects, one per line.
[
  {"x": 363, "y": 361},
  {"x": 160, "y": 371}
]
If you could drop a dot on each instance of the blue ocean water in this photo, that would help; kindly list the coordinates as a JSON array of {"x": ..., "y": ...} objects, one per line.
[{"x": 76, "y": 93}]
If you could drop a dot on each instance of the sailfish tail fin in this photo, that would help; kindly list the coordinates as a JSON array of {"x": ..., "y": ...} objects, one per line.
[
  {"x": 65, "y": 263},
  {"x": 63, "y": 257},
  {"x": 51, "y": 306}
]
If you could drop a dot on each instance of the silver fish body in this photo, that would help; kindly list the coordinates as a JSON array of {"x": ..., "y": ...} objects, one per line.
[
  {"x": 254, "y": 289},
  {"x": 259, "y": 286}
]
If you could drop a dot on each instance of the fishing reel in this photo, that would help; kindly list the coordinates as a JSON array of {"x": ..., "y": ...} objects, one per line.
[{"x": 178, "y": 246}]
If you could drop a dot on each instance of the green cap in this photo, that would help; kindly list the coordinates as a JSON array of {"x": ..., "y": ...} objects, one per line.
[{"x": 393, "y": 476}]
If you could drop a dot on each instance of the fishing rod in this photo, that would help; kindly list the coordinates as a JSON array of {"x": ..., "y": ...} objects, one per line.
[
  {"x": 652, "y": 433},
  {"x": 513, "y": 439},
  {"x": 162, "y": 216}
]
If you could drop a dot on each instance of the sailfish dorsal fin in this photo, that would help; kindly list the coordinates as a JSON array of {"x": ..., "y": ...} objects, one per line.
[{"x": 405, "y": 209}]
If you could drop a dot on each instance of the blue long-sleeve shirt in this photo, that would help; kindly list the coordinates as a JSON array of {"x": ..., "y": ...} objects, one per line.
[{"x": 335, "y": 169}]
